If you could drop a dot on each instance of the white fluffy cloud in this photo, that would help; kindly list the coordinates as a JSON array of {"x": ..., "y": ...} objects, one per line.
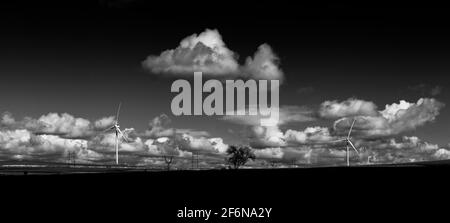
[
  {"x": 163, "y": 147},
  {"x": 65, "y": 124},
  {"x": 202, "y": 145},
  {"x": 263, "y": 137},
  {"x": 442, "y": 154},
  {"x": 104, "y": 122},
  {"x": 56, "y": 142},
  {"x": 309, "y": 135},
  {"x": 263, "y": 65},
  {"x": 349, "y": 107},
  {"x": 9, "y": 122},
  {"x": 7, "y": 119},
  {"x": 207, "y": 52},
  {"x": 159, "y": 127},
  {"x": 394, "y": 119},
  {"x": 15, "y": 139},
  {"x": 21, "y": 143},
  {"x": 266, "y": 136}
]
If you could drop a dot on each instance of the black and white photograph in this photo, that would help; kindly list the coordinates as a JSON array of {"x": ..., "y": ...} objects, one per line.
[{"x": 207, "y": 111}]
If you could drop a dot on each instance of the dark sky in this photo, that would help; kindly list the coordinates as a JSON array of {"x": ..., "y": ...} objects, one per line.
[{"x": 82, "y": 58}]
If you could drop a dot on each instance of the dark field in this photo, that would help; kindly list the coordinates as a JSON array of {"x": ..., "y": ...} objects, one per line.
[{"x": 296, "y": 195}]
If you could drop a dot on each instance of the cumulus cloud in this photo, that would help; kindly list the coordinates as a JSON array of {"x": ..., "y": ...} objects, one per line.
[
  {"x": 186, "y": 140},
  {"x": 394, "y": 119},
  {"x": 21, "y": 143},
  {"x": 442, "y": 154},
  {"x": 165, "y": 147},
  {"x": 266, "y": 136},
  {"x": 271, "y": 136},
  {"x": 264, "y": 64},
  {"x": 218, "y": 145},
  {"x": 202, "y": 144},
  {"x": 207, "y": 52},
  {"x": 309, "y": 135},
  {"x": 159, "y": 127},
  {"x": 9, "y": 122},
  {"x": 105, "y": 122},
  {"x": 349, "y": 107},
  {"x": 7, "y": 119},
  {"x": 66, "y": 125},
  {"x": 18, "y": 138}
]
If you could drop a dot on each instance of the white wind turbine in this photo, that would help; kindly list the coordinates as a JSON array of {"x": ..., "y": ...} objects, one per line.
[
  {"x": 117, "y": 130},
  {"x": 349, "y": 143}
]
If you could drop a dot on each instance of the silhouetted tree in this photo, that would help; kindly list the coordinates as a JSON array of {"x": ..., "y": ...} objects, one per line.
[
  {"x": 170, "y": 150},
  {"x": 168, "y": 160},
  {"x": 239, "y": 155}
]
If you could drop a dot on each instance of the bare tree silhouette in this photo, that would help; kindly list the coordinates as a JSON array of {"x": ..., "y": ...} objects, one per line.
[
  {"x": 239, "y": 155},
  {"x": 168, "y": 160},
  {"x": 170, "y": 149}
]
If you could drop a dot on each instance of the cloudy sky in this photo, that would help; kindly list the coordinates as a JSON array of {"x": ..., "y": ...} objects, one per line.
[{"x": 65, "y": 67}]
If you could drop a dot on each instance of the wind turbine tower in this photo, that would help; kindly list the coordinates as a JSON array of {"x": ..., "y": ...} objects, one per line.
[{"x": 118, "y": 132}]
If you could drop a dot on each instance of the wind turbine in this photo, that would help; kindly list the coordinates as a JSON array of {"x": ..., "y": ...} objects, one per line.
[
  {"x": 117, "y": 130},
  {"x": 349, "y": 143}
]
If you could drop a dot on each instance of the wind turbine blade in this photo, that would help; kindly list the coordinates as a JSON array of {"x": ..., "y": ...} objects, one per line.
[
  {"x": 108, "y": 129},
  {"x": 121, "y": 133},
  {"x": 350, "y": 131},
  {"x": 118, "y": 112},
  {"x": 339, "y": 140},
  {"x": 353, "y": 146},
  {"x": 125, "y": 138}
]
